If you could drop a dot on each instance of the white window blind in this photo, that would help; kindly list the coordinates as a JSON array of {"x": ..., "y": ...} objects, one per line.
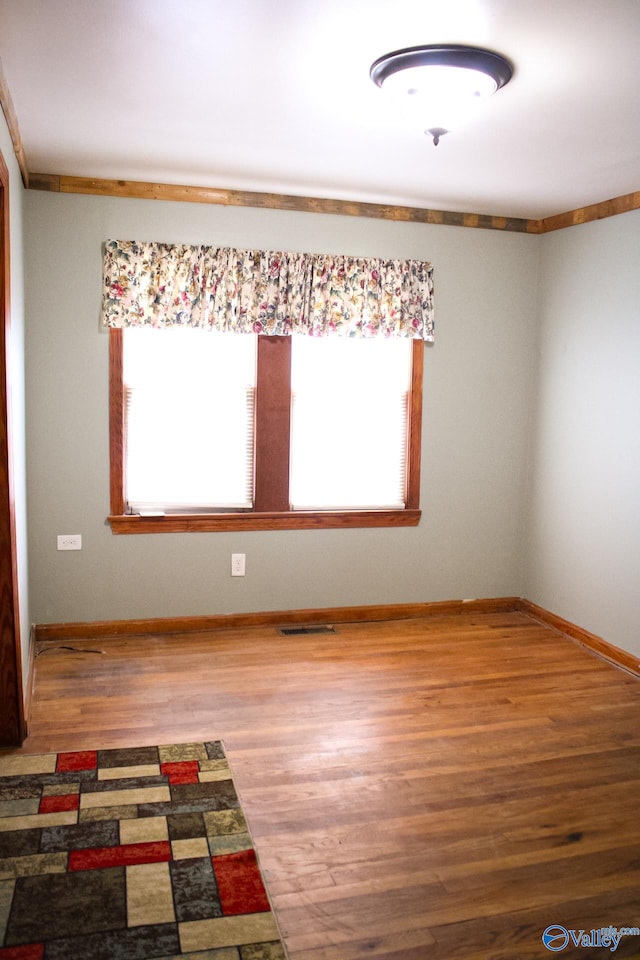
[
  {"x": 349, "y": 423},
  {"x": 189, "y": 412}
]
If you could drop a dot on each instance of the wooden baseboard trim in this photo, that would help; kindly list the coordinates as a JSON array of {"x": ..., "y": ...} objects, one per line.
[
  {"x": 620, "y": 658},
  {"x": 31, "y": 666},
  {"x": 104, "y": 629},
  {"x": 398, "y": 611}
]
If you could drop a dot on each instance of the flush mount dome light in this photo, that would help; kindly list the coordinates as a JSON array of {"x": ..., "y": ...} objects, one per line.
[{"x": 441, "y": 85}]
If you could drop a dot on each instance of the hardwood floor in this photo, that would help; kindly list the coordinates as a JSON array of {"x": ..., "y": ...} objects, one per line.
[{"x": 434, "y": 789}]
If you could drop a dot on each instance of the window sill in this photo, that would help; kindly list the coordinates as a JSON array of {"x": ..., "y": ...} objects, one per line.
[{"x": 298, "y": 520}]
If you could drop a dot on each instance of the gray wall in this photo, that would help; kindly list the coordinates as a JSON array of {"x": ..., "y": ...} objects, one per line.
[
  {"x": 16, "y": 379},
  {"x": 583, "y": 546},
  {"x": 478, "y": 405}
]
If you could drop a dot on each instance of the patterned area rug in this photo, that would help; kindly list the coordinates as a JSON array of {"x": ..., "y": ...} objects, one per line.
[{"x": 129, "y": 854}]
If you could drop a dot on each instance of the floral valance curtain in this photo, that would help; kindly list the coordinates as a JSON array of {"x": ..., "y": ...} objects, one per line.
[{"x": 257, "y": 291}]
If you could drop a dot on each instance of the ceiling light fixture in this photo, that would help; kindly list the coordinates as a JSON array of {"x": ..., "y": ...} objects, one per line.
[{"x": 441, "y": 85}]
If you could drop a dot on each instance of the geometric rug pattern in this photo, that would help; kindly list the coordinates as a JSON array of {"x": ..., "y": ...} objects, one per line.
[{"x": 129, "y": 854}]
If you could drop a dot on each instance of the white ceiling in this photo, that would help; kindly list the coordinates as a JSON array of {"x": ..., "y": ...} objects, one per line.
[{"x": 275, "y": 96}]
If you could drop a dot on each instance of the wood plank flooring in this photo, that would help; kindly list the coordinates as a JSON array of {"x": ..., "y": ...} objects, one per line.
[{"x": 434, "y": 789}]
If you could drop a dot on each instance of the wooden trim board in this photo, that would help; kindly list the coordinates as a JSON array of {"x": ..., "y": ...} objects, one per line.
[
  {"x": 254, "y": 520},
  {"x": 6, "y": 103},
  {"x": 363, "y": 614},
  {"x": 147, "y": 190},
  {"x": 621, "y": 658},
  {"x": 12, "y": 713},
  {"x": 31, "y": 675},
  {"x": 51, "y": 632},
  {"x": 595, "y": 211}
]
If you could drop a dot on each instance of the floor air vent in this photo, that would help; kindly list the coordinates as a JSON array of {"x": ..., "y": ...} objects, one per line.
[{"x": 302, "y": 631}]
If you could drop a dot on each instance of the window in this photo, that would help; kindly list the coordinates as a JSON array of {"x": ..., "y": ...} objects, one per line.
[
  {"x": 189, "y": 398},
  {"x": 349, "y": 423},
  {"x": 214, "y": 431}
]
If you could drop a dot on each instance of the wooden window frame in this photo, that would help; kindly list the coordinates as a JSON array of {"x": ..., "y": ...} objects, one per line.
[{"x": 271, "y": 506}]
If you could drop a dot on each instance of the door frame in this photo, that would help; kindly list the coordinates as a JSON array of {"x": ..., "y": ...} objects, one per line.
[{"x": 13, "y": 729}]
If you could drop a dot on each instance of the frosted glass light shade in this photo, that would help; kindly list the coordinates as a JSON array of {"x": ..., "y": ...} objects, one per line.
[
  {"x": 438, "y": 88},
  {"x": 440, "y": 96}
]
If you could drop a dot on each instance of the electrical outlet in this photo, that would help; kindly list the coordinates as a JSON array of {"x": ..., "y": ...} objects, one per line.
[
  {"x": 70, "y": 541},
  {"x": 238, "y": 564}
]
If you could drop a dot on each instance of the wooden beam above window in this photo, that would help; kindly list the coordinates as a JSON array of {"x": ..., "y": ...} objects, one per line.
[
  {"x": 349, "y": 208},
  {"x": 274, "y": 201}
]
